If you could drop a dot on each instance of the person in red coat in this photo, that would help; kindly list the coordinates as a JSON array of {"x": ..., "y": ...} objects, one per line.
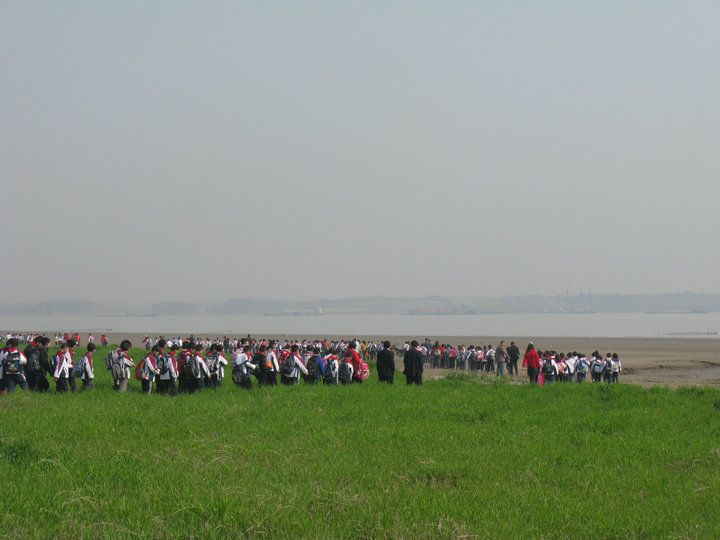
[{"x": 532, "y": 362}]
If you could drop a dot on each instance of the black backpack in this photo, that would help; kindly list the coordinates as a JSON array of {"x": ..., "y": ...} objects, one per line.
[
  {"x": 11, "y": 363},
  {"x": 344, "y": 371},
  {"x": 33, "y": 364},
  {"x": 331, "y": 374},
  {"x": 289, "y": 365},
  {"x": 547, "y": 368},
  {"x": 191, "y": 369},
  {"x": 312, "y": 367}
]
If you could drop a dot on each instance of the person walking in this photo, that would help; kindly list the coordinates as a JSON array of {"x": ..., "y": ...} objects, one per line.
[
  {"x": 386, "y": 363},
  {"x": 532, "y": 362},
  {"x": 501, "y": 358},
  {"x": 513, "y": 353},
  {"x": 413, "y": 363}
]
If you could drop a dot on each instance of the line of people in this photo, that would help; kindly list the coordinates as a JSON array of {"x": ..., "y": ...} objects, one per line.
[
  {"x": 547, "y": 367},
  {"x": 170, "y": 368}
]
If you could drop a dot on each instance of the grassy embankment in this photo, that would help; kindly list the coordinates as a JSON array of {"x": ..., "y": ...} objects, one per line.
[{"x": 456, "y": 457}]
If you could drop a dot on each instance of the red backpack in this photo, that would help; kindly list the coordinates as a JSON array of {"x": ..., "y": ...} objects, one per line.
[{"x": 363, "y": 370}]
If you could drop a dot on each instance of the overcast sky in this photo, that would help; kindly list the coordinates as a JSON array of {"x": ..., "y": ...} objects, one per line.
[{"x": 208, "y": 150}]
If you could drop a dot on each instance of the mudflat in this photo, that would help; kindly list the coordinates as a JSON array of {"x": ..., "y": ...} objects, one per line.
[{"x": 647, "y": 362}]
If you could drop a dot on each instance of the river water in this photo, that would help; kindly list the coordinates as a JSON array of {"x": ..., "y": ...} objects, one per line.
[{"x": 509, "y": 325}]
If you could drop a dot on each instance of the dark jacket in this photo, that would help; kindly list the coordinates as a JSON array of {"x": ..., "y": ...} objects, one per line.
[
  {"x": 413, "y": 362},
  {"x": 386, "y": 363}
]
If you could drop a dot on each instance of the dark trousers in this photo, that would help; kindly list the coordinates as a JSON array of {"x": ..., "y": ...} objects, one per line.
[
  {"x": 11, "y": 381},
  {"x": 386, "y": 378},
  {"x": 533, "y": 373},
  {"x": 88, "y": 384},
  {"x": 167, "y": 386},
  {"x": 414, "y": 379},
  {"x": 61, "y": 385},
  {"x": 146, "y": 386},
  {"x": 37, "y": 382},
  {"x": 512, "y": 365}
]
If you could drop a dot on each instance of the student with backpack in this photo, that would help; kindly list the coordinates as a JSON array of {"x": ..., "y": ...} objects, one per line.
[
  {"x": 37, "y": 363},
  {"x": 549, "y": 369},
  {"x": 200, "y": 370},
  {"x": 61, "y": 372},
  {"x": 616, "y": 368},
  {"x": 292, "y": 368},
  {"x": 120, "y": 364},
  {"x": 271, "y": 367},
  {"x": 330, "y": 376},
  {"x": 215, "y": 363},
  {"x": 581, "y": 368},
  {"x": 315, "y": 367},
  {"x": 84, "y": 368},
  {"x": 149, "y": 370},
  {"x": 242, "y": 368},
  {"x": 345, "y": 371},
  {"x": 607, "y": 369},
  {"x": 168, "y": 374},
  {"x": 185, "y": 377},
  {"x": 13, "y": 363},
  {"x": 354, "y": 358}
]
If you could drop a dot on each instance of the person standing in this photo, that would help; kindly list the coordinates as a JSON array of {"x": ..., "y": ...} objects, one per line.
[
  {"x": 532, "y": 362},
  {"x": 13, "y": 363},
  {"x": 353, "y": 357},
  {"x": 120, "y": 367},
  {"x": 513, "y": 353},
  {"x": 616, "y": 368},
  {"x": 386, "y": 363},
  {"x": 501, "y": 358},
  {"x": 315, "y": 367},
  {"x": 87, "y": 372},
  {"x": 149, "y": 369},
  {"x": 166, "y": 381},
  {"x": 243, "y": 367},
  {"x": 292, "y": 368},
  {"x": 63, "y": 363},
  {"x": 413, "y": 363}
]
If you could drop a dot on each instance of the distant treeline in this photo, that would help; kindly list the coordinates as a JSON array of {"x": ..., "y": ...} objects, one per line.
[{"x": 574, "y": 303}]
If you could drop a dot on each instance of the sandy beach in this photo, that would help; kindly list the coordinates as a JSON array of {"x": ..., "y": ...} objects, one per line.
[{"x": 647, "y": 362}]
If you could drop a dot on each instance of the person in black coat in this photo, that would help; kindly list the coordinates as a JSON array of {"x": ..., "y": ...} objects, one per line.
[
  {"x": 386, "y": 363},
  {"x": 514, "y": 355},
  {"x": 413, "y": 361}
]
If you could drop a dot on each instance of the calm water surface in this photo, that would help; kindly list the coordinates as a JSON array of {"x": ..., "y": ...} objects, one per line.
[{"x": 541, "y": 325}]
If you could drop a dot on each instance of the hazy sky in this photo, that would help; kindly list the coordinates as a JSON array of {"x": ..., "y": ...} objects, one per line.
[{"x": 210, "y": 150}]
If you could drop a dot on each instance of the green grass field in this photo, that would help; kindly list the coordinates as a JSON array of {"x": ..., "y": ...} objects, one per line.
[{"x": 459, "y": 457}]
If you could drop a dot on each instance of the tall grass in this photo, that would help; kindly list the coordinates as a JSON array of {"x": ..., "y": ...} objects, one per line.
[{"x": 457, "y": 457}]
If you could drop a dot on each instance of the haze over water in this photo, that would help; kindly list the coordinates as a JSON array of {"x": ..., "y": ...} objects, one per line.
[{"x": 509, "y": 325}]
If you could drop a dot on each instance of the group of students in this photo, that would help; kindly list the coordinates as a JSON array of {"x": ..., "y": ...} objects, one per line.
[
  {"x": 187, "y": 366},
  {"x": 547, "y": 367},
  {"x": 29, "y": 368}
]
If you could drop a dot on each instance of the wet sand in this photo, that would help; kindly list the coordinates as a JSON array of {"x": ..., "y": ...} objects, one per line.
[{"x": 647, "y": 362}]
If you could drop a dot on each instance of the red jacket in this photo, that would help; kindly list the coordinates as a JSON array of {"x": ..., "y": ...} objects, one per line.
[
  {"x": 354, "y": 359},
  {"x": 532, "y": 359}
]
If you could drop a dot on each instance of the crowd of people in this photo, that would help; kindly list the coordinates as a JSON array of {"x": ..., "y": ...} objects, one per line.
[{"x": 172, "y": 366}]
